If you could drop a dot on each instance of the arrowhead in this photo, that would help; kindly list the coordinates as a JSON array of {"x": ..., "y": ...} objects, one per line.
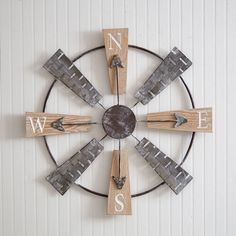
[
  {"x": 58, "y": 124},
  {"x": 180, "y": 120},
  {"x": 116, "y": 62},
  {"x": 119, "y": 181}
]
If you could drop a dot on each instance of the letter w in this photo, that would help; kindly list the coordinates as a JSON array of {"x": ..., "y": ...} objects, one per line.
[{"x": 38, "y": 124}]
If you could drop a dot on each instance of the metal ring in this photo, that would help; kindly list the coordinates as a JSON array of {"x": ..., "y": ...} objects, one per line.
[{"x": 185, "y": 86}]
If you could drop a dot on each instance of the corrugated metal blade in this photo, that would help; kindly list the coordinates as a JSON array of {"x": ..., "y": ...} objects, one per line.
[
  {"x": 66, "y": 174},
  {"x": 173, "y": 174},
  {"x": 60, "y": 66},
  {"x": 173, "y": 66}
]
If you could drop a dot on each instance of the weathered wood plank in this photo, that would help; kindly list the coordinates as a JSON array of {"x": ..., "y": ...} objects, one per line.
[
  {"x": 197, "y": 120},
  {"x": 40, "y": 124},
  {"x": 116, "y": 43},
  {"x": 119, "y": 200}
]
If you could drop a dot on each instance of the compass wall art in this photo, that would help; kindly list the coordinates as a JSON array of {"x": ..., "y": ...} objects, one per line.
[{"x": 118, "y": 121}]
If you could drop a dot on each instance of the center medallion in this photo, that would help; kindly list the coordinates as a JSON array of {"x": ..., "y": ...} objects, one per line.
[{"x": 119, "y": 122}]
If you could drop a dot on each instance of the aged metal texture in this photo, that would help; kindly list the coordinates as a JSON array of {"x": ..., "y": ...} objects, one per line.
[
  {"x": 60, "y": 124},
  {"x": 173, "y": 66},
  {"x": 173, "y": 174},
  {"x": 66, "y": 174},
  {"x": 60, "y": 66},
  {"x": 119, "y": 181},
  {"x": 180, "y": 120},
  {"x": 116, "y": 62},
  {"x": 119, "y": 121}
]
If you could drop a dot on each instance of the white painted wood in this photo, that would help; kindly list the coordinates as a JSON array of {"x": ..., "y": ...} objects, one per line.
[
  {"x": 186, "y": 40},
  {"x": 231, "y": 175},
  {"x": 30, "y": 33}
]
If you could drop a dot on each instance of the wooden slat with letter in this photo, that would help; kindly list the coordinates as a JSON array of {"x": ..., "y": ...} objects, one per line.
[
  {"x": 197, "y": 120},
  {"x": 119, "y": 200},
  {"x": 116, "y": 43},
  {"x": 40, "y": 124}
]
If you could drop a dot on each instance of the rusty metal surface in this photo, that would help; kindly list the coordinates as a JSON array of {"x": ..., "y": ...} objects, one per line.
[
  {"x": 119, "y": 181},
  {"x": 60, "y": 66},
  {"x": 173, "y": 66},
  {"x": 66, "y": 174},
  {"x": 119, "y": 121},
  {"x": 173, "y": 174}
]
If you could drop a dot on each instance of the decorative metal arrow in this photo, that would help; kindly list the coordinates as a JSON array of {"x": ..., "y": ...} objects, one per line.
[
  {"x": 119, "y": 180},
  {"x": 116, "y": 63},
  {"x": 179, "y": 120},
  {"x": 59, "y": 124}
]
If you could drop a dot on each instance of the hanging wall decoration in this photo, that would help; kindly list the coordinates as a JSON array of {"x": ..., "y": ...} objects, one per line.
[{"x": 118, "y": 121}]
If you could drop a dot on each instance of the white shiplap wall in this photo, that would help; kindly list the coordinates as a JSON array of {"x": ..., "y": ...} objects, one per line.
[{"x": 32, "y": 30}]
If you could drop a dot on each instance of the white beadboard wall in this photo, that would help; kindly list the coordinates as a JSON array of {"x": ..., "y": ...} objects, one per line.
[{"x": 31, "y": 31}]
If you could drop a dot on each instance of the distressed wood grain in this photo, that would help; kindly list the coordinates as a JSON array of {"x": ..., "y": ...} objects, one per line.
[
  {"x": 116, "y": 43},
  {"x": 39, "y": 124},
  {"x": 119, "y": 200},
  {"x": 197, "y": 120}
]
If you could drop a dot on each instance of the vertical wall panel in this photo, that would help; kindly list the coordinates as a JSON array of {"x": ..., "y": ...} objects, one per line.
[
  {"x": 221, "y": 117},
  {"x": 198, "y": 91},
  {"x": 187, "y": 44},
  {"x": 209, "y": 94},
  {"x": 31, "y": 31},
  {"x": 231, "y": 86},
  {"x": 6, "y": 109}
]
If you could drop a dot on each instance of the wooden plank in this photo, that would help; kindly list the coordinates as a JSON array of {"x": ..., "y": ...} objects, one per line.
[
  {"x": 116, "y": 43},
  {"x": 197, "y": 120},
  {"x": 119, "y": 200},
  {"x": 40, "y": 124}
]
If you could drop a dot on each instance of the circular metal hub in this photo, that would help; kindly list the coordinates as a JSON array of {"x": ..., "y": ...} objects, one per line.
[{"x": 119, "y": 122}]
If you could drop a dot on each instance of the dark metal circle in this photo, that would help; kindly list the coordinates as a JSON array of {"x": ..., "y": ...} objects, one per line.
[
  {"x": 119, "y": 122},
  {"x": 185, "y": 86}
]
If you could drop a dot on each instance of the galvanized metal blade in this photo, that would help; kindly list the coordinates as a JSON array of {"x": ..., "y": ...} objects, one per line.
[
  {"x": 173, "y": 174},
  {"x": 173, "y": 66},
  {"x": 60, "y": 66},
  {"x": 67, "y": 173}
]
